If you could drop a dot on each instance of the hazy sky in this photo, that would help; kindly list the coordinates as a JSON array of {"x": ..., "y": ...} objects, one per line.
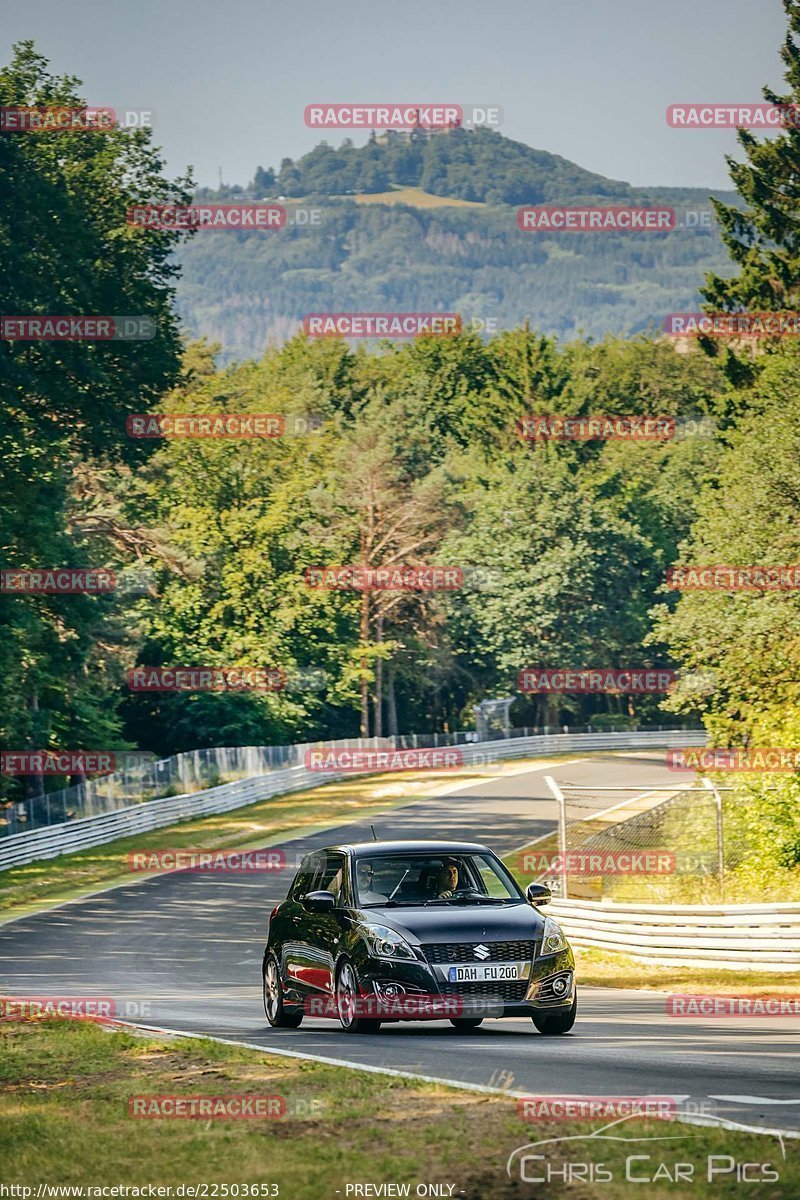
[{"x": 587, "y": 79}]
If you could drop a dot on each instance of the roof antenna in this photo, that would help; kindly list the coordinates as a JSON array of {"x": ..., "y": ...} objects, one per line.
[{"x": 374, "y": 834}]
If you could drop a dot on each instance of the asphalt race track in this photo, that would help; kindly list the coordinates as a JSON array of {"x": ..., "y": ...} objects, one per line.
[{"x": 186, "y": 950}]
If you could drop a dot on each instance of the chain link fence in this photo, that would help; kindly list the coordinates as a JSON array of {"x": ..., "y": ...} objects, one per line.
[
  {"x": 142, "y": 777},
  {"x": 698, "y": 842}
]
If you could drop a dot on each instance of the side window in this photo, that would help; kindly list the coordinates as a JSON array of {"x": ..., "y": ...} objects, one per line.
[
  {"x": 332, "y": 879},
  {"x": 304, "y": 880}
]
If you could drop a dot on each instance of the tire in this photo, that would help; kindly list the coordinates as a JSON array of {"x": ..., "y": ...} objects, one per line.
[
  {"x": 553, "y": 1023},
  {"x": 347, "y": 990},
  {"x": 277, "y": 1015},
  {"x": 465, "y": 1024}
]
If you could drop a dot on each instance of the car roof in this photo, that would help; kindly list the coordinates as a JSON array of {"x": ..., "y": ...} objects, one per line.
[{"x": 369, "y": 849}]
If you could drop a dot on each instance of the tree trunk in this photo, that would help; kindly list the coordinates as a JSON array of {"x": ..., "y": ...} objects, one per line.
[
  {"x": 364, "y": 681},
  {"x": 33, "y": 785},
  {"x": 391, "y": 701},
  {"x": 378, "y": 722}
]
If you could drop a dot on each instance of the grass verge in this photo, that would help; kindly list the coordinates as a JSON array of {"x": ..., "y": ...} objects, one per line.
[
  {"x": 606, "y": 968},
  {"x": 65, "y": 1088}
]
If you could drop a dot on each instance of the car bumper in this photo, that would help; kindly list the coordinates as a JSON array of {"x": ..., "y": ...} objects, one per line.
[{"x": 416, "y": 991}]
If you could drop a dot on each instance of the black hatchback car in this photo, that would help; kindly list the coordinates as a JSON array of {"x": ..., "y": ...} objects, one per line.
[{"x": 388, "y": 931}]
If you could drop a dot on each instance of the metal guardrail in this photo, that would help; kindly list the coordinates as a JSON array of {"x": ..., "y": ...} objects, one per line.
[
  {"x": 753, "y": 937},
  {"x": 140, "y": 777},
  {"x": 84, "y": 832}
]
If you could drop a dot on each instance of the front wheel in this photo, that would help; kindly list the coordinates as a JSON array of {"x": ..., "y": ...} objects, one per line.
[
  {"x": 347, "y": 997},
  {"x": 277, "y": 1015},
  {"x": 560, "y": 1021},
  {"x": 464, "y": 1024}
]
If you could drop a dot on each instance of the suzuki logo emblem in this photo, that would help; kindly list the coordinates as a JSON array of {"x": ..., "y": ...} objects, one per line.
[{"x": 481, "y": 951}]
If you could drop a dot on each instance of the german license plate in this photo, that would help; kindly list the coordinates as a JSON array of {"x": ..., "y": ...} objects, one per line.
[{"x": 484, "y": 971}]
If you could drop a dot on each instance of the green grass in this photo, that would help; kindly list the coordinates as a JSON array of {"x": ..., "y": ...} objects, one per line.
[
  {"x": 606, "y": 968},
  {"x": 415, "y": 197},
  {"x": 65, "y": 1088}
]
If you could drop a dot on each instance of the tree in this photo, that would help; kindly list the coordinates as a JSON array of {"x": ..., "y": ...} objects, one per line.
[
  {"x": 749, "y": 514},
  {"x": 68, "y": 249},
  {"x": 264, "y": 181},
  {"x": 568, "y": 579},
  {"x": 763, "y": 239}
]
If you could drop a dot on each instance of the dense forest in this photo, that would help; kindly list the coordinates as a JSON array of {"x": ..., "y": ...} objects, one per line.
[
  {"x": 246, "y": 290},
  {"x": 394, "y": 454}
]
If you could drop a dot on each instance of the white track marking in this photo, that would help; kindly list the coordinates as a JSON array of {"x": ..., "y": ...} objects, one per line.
[{"x": 371, "y": 1069}]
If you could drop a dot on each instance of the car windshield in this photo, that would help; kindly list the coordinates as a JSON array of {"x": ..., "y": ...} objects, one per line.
[{"x": 422, "y": 879}]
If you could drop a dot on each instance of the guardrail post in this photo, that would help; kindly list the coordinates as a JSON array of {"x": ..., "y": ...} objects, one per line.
[
  {"x": 720, "y": 838},
  {"x": 562, "y": 832}
]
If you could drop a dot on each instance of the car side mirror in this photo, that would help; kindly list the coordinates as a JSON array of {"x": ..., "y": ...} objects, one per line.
[
  {"x": 319, "y": 902},
  {"x": 538, "y": 894}
]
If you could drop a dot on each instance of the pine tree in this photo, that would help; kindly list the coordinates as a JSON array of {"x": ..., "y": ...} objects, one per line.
[{"x": 763, "y": 239}]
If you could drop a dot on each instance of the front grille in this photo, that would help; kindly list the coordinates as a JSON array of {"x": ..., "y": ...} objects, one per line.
[
  {"x": 512, "y": 991},
  {"x": 464, "y": 952}
]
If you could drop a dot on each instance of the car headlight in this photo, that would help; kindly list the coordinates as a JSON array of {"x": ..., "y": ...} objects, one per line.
[
  {"x": 384, "y": 942},
  {"x": 553, "y": 939}
]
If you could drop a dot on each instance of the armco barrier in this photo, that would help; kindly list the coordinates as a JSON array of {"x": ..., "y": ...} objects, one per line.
[
  {"x": 70, "y": 836},
  {"x": 747, "y": 937}
]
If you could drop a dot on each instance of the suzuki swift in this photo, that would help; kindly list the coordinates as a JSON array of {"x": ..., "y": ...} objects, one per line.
[{"x": 388, "y": 931}]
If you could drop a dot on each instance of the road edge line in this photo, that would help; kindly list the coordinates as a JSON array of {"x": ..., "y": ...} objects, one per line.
[{"x": 371, "y": 1069}]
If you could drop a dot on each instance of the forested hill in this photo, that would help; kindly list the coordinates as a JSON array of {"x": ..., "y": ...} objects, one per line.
[
  {"x": 431, "y": 224},
  {"x": 463, "y": 165}
]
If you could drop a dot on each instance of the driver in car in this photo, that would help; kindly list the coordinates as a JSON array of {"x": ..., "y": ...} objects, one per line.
[
  {"x": 447, "y": 880},
  {"x": 365, "y": 873}
]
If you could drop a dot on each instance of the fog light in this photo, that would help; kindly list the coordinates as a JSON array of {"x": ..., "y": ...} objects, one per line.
[
  {"x": 560, "y": 986},
  {"x": 389, "y": 989}
]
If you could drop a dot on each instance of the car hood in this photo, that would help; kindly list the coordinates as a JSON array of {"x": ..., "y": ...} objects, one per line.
[{"x": 457, "y": 923}]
